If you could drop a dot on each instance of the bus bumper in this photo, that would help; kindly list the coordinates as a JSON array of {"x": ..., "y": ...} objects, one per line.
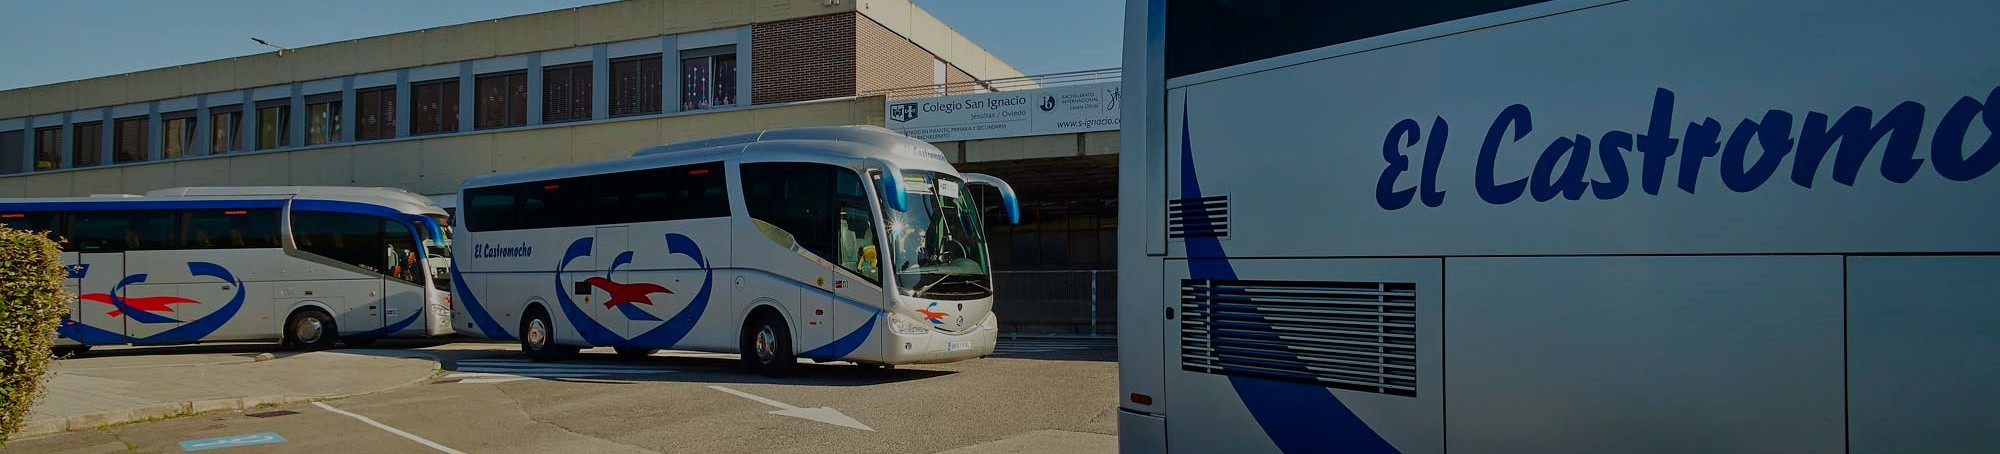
[
  {"x": 1140, "y": 432},
  {"x": 934, "y": 346}
]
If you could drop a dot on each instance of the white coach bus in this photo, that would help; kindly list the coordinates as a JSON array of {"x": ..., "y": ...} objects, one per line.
[
  {"x": 835, "y": 243},
  {"x": 1560, "y": 226},
  {"x": 306, "y": 266}
]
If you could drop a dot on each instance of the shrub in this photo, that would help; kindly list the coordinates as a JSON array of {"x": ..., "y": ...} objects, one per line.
[{"x": 32, "y": 303}]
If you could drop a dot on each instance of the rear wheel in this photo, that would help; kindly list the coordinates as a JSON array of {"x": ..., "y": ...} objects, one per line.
[
  {"x": 538, "y": 338},
  {"x": 310, "y": 329},
  {"x": 767, "y": 346},
  {"x": 635, "y": 352}
]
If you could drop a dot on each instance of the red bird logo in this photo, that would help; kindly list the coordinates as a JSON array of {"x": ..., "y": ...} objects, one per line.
[
  {"x": 626, "y": 293},
  {"x": 144, "y": 303},
  {"x": 936, "y": 318}
]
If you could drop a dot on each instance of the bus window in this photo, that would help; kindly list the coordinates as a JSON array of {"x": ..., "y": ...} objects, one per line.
[
  {"x": 402, "y": 259},
  {"x": 856, "y": 232},
  {"x": 229, "y": 229},
  {"x": 353, "y": 239},
  {"x": 33, "y": 222},
  {"x": 796, "y": 199},
  {"x": 119, "y": 231},
  {"x": 490, "y": 208}
]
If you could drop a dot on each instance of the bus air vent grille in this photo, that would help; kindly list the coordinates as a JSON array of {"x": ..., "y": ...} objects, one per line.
[
  {"x": 1359, "y": 336},
  {"x": 1198, "y": 217}
]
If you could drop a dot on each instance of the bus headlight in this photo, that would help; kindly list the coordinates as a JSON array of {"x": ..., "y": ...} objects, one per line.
[{"x": 905, "y": 326}]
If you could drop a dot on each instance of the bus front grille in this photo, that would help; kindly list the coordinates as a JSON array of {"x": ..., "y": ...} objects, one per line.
[{"x": 1359, "y": 336}]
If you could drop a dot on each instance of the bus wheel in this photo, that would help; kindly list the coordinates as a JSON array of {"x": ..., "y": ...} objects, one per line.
[
  {"x": 538, "y": 339},
  {"x": 310, "y": 329},
  {"x": 767, "y": 346},
  {"x": 635, "y": 352},
  {"x": 69, "y": 352}
]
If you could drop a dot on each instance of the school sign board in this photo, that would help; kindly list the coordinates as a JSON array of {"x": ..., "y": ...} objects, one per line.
[{"x": 1058, "y": 110}]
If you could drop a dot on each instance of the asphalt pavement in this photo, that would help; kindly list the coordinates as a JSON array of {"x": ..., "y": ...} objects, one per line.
[{"x": 1033, "y": 395}]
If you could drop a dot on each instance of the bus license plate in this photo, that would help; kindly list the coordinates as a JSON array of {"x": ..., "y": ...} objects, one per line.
[{"x": 958, "y": 345}]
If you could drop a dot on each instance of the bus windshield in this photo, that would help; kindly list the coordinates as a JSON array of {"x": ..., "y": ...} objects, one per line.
[
  {"x": 939, "y": 245},
  {"x": 437, "y": 252}
]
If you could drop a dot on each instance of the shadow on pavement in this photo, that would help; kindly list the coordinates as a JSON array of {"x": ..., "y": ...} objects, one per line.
[{"x": 677, "y": 367}]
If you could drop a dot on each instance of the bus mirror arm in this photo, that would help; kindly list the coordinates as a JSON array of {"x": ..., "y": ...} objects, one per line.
[
  {"x": 1007, "y": 198},
  {"x": 892, "y": 183}
]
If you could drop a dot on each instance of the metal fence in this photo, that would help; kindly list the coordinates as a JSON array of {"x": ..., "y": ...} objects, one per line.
[
  {"x": 1057, "y": 301},
  {"x": 998, "y": 85}
]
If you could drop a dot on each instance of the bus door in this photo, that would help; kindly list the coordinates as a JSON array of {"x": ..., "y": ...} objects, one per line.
[
  {"x": 607, "y": 285},
  {"x": 405, "y": 267},
  {"x": 97, "y": 275}
]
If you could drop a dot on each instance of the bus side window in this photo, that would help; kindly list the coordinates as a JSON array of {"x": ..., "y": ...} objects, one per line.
[
  {"x": 353, "y": 239},
  {"x": 229, "y": 229},
  {"x": 856, "y": 227},
  {"x": 795, "y": 198},
  {"x": 401, "y": 259}
]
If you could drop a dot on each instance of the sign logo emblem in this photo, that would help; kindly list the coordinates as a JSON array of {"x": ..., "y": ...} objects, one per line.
[
  {"x": 903, "y": 112},
  {"x": 1048, "y": 103}
]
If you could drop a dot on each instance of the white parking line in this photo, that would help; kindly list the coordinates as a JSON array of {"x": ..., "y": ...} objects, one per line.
[{"x": 385, "y": 427}]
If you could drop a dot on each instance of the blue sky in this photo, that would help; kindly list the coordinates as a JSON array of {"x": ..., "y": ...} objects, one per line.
[{"x": 56, "y": 41}]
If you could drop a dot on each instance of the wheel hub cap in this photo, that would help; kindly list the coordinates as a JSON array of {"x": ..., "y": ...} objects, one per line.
[
  {"x": 767, "y": 344},
  {"x": 309, "y": 330},
  {"x": 537, "y": 336}
]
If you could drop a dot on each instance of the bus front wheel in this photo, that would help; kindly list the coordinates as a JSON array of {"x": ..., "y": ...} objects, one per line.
[
  {"x": 767, "y": 346},
  {"x": 310, "y": 329}
]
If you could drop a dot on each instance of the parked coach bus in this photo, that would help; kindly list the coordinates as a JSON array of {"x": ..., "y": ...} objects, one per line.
[
  {"x": 306, "y": 266},
  {"x": 836, "y": 243},
  {"x": 1583, "y": 226}
]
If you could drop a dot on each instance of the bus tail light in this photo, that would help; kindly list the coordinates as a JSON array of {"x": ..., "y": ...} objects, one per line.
[
  {"x": 1141, "y": 399},
  {"x": 13, "y": 215}
]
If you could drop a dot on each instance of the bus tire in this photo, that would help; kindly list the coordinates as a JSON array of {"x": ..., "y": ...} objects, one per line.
[
  {"x": 538, "y": 338},
  {"x": 635, "y": 352},
  {"x": 310, "y": 329},
  {"x": 767, "y": 345}
]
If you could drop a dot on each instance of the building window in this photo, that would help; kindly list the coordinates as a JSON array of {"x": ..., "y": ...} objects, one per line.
[
  {"x": 708, "y": 79},
  {"x": 48, "y": 148},
  {"x": 13, "y": 152},
  {"x": 635, "y": 85},
  {"x": 177, "y": 134},
  {"x": 375, "y": 108},
  {"x": 225, "y": 129},
  {"x": 128, "y": 141},
  {"x": 434, "y": 107},
  {"x": 86, "y": 144},
  {"x": 323, "y": 118},
  {"x": 502, "y": 100},
  {"x": 274, "y": 124},
  {"x": 566, "y": 93}
]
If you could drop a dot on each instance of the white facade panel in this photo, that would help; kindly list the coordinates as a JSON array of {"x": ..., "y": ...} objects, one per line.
[
  {"x": 710, "y": 38},
  {"x": 320, "y": 86},
  {"x": 128, "y": 110},
  {"x": 178, "y": 104},
  {"x": 433, "y": 72},
  {"x": 642, "y": 46},
  {"x": 566, "y": 56},
  {"x": 269, "y": 93},
  {"x": 498, "y": 64},
  {"x": 372, "y": 80}
]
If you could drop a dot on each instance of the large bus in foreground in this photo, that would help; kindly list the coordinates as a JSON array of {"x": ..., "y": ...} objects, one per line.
[
  {"x": 832, "y": 244},
  {"x": 1560, "y": 226},
  {"x": 304, "y": 266}
]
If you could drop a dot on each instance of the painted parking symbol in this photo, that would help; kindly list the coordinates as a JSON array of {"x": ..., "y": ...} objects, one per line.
[{"x": 231, "y": 441}]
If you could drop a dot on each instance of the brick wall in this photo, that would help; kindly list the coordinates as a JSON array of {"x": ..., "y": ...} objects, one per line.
[
  {"x": 803, "y": 59},
  {"x": 888, "y": 60},
  {"x": 836, "y": 55}
]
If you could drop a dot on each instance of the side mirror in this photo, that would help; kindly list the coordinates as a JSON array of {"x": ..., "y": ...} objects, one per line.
[
  {"x": 892, "y": 183},
  {"x": 1007, "y": 198}
]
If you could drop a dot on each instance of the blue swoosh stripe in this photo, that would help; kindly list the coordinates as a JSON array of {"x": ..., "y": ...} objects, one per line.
[{"x": 1297, "y": 417}]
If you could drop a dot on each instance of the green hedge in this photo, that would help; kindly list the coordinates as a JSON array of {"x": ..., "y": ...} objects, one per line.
[{"x": 32, "y": 303}]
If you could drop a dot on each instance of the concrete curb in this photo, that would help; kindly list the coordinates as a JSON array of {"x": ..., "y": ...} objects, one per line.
[{"x": 52, "y": 426}]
